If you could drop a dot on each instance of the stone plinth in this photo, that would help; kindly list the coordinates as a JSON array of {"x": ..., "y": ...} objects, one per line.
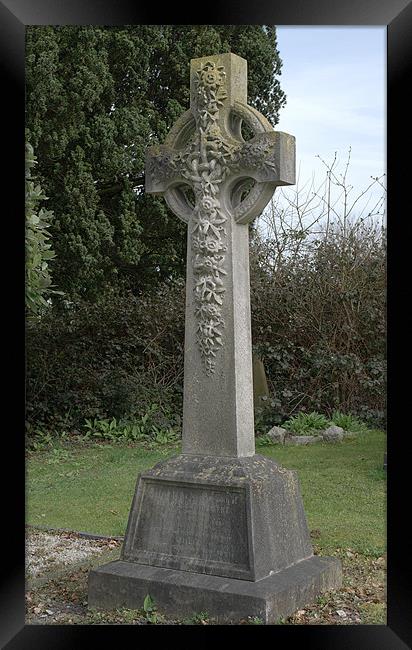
[
  {"x": 236, "y": 525},
  {"x": 227, "y": 600},
  {"x": 222, "y": 516}
]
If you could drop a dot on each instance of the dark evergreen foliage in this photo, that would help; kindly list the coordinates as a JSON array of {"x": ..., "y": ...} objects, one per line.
[{"x": 96, "y": 97}]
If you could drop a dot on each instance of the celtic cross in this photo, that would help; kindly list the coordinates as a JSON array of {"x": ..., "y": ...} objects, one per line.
[{"x": 217, "y": 182}]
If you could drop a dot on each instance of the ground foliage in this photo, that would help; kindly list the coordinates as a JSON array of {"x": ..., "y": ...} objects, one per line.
[{"x": 89, "y": 484}]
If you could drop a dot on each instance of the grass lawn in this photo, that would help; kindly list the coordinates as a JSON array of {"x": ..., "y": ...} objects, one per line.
[{"x": 91, "y": 488}]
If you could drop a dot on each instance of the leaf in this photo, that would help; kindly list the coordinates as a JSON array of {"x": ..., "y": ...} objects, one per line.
[
  {"x": 148, "y": 603},
  {"x": 217, "y": 298}
]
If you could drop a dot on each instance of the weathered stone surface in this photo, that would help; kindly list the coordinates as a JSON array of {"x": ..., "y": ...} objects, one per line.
[
  {"x": 239, "y": 517},
  {"x": 227, "y": 600},
  {"x": 333, "y": 434},
  {"x": 302, "y": 440},
  {"x": 277, "y": 434}
]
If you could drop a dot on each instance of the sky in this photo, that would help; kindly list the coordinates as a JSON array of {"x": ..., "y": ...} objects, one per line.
[{"x": 335, "y": 82}]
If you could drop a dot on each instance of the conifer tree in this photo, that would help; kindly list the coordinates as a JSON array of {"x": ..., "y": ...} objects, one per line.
[{"x": 96, "y": 97}]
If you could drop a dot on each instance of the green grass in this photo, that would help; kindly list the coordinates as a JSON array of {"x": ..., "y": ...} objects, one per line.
[
  {"x": 86, "y": 489},
  {"x": 343, "y": 488}
]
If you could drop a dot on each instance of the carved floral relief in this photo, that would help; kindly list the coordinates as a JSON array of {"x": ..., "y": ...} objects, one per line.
[{"x": 206, "y": 167}]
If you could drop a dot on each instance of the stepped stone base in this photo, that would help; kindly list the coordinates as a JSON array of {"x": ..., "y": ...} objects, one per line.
[
  {"x": 227, "y": 600},
  {"x": 223, "y": 535}
]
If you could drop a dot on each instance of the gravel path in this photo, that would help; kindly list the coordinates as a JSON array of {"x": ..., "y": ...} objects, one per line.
[{"x": 48, "y": 551}]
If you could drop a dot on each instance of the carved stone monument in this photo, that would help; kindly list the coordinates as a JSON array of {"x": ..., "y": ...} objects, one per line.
[{"x": 217, "y": 528}]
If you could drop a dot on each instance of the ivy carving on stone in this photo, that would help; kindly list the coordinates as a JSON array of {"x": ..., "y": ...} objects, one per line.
[{"x": 205, "y": 167}]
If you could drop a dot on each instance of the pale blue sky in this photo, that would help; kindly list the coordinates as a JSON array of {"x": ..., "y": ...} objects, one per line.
[{"x": 335, "y": 82}]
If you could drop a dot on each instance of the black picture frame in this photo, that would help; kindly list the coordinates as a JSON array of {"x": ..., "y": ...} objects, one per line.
[{"x": 396, "y": 15}]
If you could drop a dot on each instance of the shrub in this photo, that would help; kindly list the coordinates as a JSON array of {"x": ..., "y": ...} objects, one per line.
[
  {"x": 348, "y": 422},
  {"x": 306, "y": 424},
  {"x": 318, "y": 324},
  {"x": 39, "y": 252},
  {"x": 318, "y": 280},
  {"x": 111, "y": 359}
]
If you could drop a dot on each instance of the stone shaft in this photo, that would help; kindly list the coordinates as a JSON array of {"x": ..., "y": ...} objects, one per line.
[{"x": 218, "y": 407}]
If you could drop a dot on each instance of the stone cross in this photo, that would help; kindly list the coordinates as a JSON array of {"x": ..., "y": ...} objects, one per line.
[
  {"x": 218, "y": 182},
  {"x": 217, "y": 528}
]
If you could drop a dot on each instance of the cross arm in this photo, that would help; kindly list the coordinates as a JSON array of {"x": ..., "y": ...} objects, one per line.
[
  {"x": 161, "y": 169},
  {"x": 268, "y": 157},
  {"x": 163, "y": 161}
]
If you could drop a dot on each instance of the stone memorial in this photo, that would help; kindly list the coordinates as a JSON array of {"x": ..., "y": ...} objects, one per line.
[
  {"x": 218, "y": 528},
  {"x": 260, "y": 385}
]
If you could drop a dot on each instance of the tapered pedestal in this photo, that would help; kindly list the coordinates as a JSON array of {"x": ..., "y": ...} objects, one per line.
[{"x": 223, "y": 535}]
